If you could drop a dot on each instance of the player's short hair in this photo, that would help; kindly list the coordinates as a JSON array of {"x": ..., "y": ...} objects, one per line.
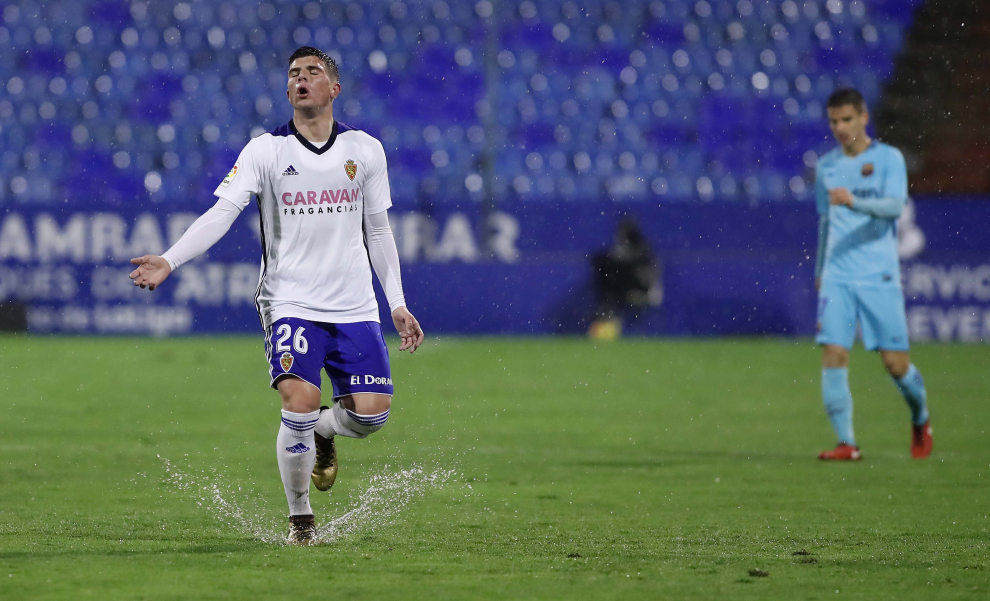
[
  {"x": 331, "y": 64},
  {"x": 847, "y": 96}
]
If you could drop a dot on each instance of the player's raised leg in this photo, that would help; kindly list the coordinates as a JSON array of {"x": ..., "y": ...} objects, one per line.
[
  {"x": 296, "y": 452},
  {"x": 838, "y": 403},
  {"x": 354, "y": 416},
  {"x": 359, "y": 368},
  {"x": 908, "y": 379}
]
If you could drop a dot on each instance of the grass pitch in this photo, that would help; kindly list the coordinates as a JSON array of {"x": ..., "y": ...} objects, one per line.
[{"x": 510, "y": 469}]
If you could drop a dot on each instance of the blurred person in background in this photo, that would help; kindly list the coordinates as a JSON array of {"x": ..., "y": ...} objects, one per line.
[
  {"x": 861, "y": 189},
  {"x": 911, "y": 239},
  {"x": 323, "y": 196},
  {"x": 626, "y": 278}
]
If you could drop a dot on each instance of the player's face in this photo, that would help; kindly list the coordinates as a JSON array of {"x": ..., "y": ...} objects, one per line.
[
  {"x": 309, "y": 84},
  {"x": 847, "y": 123}
]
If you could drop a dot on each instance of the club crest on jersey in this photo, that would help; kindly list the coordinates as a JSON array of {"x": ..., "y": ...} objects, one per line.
[
  {"x": 286, "y": 361},
  {"x": 230, "y": 176},
  {"x": 350, "y": 168},
  {"x": 867, "y": 170}
]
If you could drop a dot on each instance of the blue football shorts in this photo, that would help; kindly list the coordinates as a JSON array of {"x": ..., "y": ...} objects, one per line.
[
  {"x": 877, "y": 307},
  {"x": 354, "y": 355}
]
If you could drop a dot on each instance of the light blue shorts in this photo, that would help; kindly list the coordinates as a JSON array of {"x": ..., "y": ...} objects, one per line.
[{"x": 878, "y": 307}]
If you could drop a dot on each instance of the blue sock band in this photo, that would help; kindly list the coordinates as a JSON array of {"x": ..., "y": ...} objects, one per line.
[
  {"x": 912, "y": 386},
  {"x": 838, "y": 402}
]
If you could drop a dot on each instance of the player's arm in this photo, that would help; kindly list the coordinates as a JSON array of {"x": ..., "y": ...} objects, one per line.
[
  {"x": 895, "y": 191},
  {"x": 385, "y": 260},
  {"x": 234, "y": 193},
  {"x": 202, "y": 234},
  {"x": 888, "y": 207},
  {"x": 383, "y": 253},
  {"x": 822, "y": 204}
]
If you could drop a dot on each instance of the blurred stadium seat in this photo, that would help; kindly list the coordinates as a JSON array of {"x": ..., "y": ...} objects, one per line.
[{"x": 674, "y": 100}]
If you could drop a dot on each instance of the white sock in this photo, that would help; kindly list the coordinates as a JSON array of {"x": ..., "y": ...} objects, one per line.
[
  {"x": 339, "y": 421},
  {"x": 296, "y": 452}
]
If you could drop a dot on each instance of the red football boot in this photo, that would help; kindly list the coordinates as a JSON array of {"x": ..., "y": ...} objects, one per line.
[
  {"x": 843, "y": 452},
  {"x": 921, "y": 440}
]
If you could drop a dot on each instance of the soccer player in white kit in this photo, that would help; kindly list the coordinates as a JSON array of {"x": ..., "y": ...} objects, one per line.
[{"x": 323, "y": 194}]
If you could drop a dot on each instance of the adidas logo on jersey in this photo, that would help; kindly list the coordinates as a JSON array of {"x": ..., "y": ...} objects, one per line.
[{"x": 290, "y": 171}]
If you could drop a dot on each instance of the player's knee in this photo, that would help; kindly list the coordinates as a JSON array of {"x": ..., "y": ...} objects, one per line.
[
  {"x": 897, "y": 364},
  {"x": 373, "y": 403},
  {"x": 365, "y": 424},
  {"x": 298, "y": 395},
  {"x": 364, "y": 413},
  {"x": 366, "y": 403},
  {"x": 834, "y": 356}
]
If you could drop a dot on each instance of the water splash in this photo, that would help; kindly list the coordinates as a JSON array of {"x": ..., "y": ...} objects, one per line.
[
  {"x": 229, "y": 504},
  {"x": 388, "y": 492},
  {"x": 375, "y": 504}
]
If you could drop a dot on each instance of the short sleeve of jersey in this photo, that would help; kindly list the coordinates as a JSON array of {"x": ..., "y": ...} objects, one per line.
[
  {"x": 377, "y": 194},
  {"x": 244, "y": 179}
]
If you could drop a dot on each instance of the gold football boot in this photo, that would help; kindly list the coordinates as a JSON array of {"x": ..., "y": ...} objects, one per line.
[
  {"x": 302, "y": 530},
  {"x": 325, "y": 469}
]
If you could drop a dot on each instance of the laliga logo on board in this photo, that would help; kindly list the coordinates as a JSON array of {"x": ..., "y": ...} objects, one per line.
[{"x": 350, "y": 168}]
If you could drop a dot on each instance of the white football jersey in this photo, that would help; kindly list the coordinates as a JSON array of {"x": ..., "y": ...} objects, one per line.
[{"x": 312, "y": 201}]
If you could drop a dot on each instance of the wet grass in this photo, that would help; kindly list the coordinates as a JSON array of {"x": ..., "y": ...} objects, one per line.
[{"x": 639, "y": 469}]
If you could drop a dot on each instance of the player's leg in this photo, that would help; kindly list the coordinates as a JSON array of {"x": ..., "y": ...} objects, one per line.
[
  {"x": 359, "y": 368},
  {"x": 909, "y": 381},
  {"x": 356, "y": 415},
  {"x": 836, "y": 332},
  {"x": 353, "y": 416},
  {"x": 362, "y": 381},
  {"x": 296, "y": 452},
  {"x": 295, "y": 351},
  {"x": 885, "y": 329},
  {"x": 837, "y": 399}
]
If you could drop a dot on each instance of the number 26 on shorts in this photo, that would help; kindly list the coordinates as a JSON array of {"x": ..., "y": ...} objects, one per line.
[{"x": 299, "y": 343}]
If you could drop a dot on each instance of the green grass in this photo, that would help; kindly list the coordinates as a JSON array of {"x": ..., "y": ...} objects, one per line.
[{"x": 632, "y": 470}]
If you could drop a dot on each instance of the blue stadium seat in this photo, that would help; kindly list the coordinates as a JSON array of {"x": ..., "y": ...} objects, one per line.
[{"x": 724, "y": 96}]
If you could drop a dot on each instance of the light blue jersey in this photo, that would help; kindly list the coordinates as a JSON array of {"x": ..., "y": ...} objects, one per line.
[
  {"x": 860, "y": 282},
  {"x": 857, "y": 249},
  {"x": 859, "y": 244}
]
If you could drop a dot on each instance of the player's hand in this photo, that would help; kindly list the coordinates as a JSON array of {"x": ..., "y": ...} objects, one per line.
[
  {"x": 840, "y": 197},
  {"x": 408, "y": 328},
  {"x": 151, "y": 271}
]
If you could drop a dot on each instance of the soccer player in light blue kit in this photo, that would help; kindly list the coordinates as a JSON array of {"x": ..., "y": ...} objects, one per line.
[{"x": 861, "y": 188}]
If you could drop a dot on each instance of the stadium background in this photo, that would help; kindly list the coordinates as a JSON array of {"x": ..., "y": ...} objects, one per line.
[
  {"x": 513, "y": 467},
  {"x": 517, "y": 133}
]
